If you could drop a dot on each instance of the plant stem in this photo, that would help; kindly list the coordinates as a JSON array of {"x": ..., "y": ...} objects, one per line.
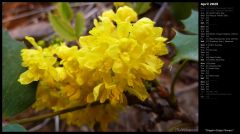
[
  {"x": 173, "y": 99},
  {"x": 49, "y": 115}
]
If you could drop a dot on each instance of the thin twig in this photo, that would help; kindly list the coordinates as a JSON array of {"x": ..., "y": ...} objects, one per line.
[
  {"x": 34, "y": 12},
  {"x": 164, "y": 112},
  {"x": 56, "y": 121},
  {"x": 160, "y": 11},
  {"x": 39, "y": 126},
  {"x": 48, "y": 115},
  {"x": 101, "y": 6},
  {"x": 181, "y": 115},
  {"x": 28, "y": 14},
  {"x": 89, "y": 7},
  {"x": 187, "y": 89},
  {"x": 93, "y": 11},
  {"x": 143, "y": 107}
]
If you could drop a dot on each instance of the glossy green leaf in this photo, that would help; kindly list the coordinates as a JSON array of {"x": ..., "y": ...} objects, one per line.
[
  {"x": 65, "y": 10},
  {"x": 16, "y": 97},
  {"x": 186, "y": 47},
  {"x": 62, "y": 28},
  {"x": 141, "y": 7},
  {"x": 191, "y": 23},
  {"x": 182, "y": 10},
  {"x": 79, "y": 24},
  {"x": 13, "y": 128}
]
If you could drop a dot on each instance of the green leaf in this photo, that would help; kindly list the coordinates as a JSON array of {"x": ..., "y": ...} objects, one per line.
[
  {"x": 191, "y": 23},
  {"x": 16, "y": 97},
  {"x": 141, "y": 7},
  {"x": 79, "y": 24},
  {"x": 13, "y": 128},
  {"x": 62, "y": 28},
  {"x": 65, "y": 11},
  {"x": 182, "y": 10},
  {"x": 186, "y": 47}
]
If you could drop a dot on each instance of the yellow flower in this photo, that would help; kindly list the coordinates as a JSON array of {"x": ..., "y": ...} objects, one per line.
[
  {"x": 39, "y": 61},
  {"x": 119, "y": 4},
  {"x": 118, "y": 55},
  {"x": 123, "y": 14},
  {"x": 124, "y": 55},
  {"x": 126, "y": 13}
]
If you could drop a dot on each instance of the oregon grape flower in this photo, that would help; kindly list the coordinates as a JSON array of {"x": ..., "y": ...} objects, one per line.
[{"x": 118, "y": 55}]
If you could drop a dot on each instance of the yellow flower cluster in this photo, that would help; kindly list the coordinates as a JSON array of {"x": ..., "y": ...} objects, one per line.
[
  {"x": 118, "y": 55},
  {"x": 119, "y": 4}
]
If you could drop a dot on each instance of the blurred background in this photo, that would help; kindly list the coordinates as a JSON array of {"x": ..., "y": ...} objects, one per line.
[{"x": 25, "y": 18}]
